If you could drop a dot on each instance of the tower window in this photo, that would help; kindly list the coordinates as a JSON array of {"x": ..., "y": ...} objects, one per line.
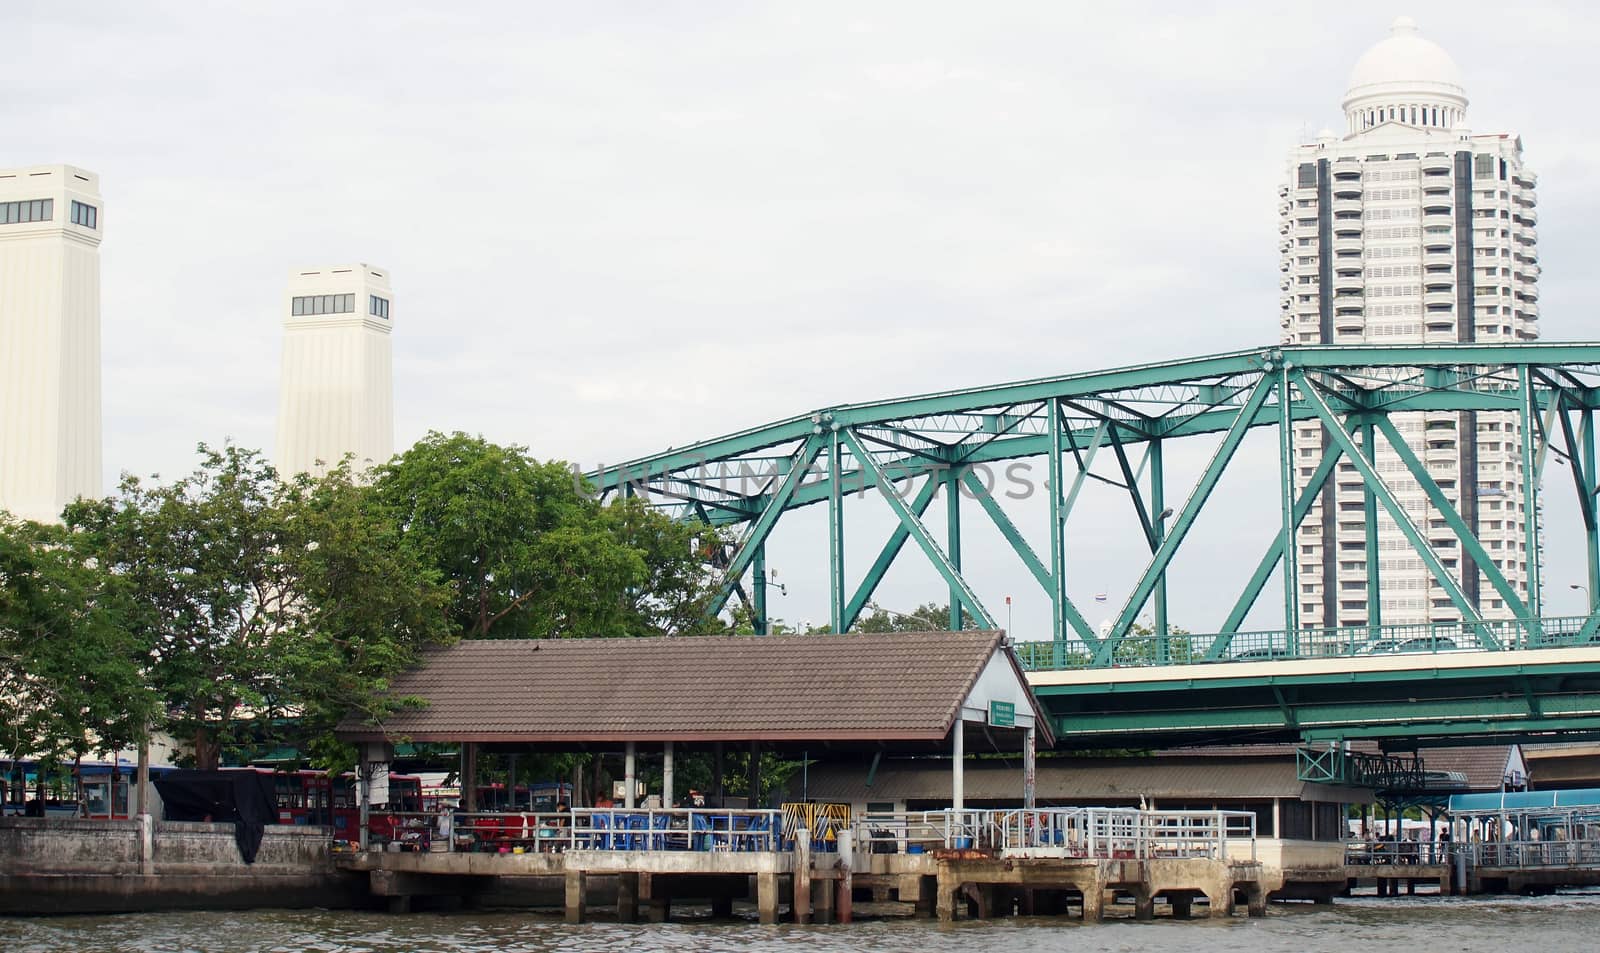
[
  {"x": 324, "y": 304},
  {"x": 1483, "y": 166},
  {"x": 85, "y": 215},
  {"x": 379, "y": 307},
  {"x": 27, "y": 210}
]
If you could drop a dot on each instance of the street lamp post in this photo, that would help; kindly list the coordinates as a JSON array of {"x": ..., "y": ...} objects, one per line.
[{"x": 1588, "y": 600}]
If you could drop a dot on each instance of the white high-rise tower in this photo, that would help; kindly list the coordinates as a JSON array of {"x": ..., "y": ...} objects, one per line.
[
  {"x": 336, "y": 396},
  {"x": 50, "y": 221},
  {"x": 1410, "y": 229}
]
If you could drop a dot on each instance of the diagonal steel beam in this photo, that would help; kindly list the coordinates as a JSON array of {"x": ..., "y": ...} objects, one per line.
[
  {"x": 1252, "y": 590},
  {"x": 1397, "y": 512},
  {"x": 762, "y": 527},
  {"x": 1185, "y": 519},
  {"x": 1452, "y": 518},
  {"x": 887, "y": 556},
  {"x": 919, "y": 532}
]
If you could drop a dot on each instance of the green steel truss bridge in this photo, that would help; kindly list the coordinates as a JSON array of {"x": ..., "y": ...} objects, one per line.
[{"x": 907, "y": 450}]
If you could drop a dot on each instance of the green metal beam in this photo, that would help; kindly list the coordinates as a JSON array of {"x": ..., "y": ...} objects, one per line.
[
  {"x": 756, "y": 537},
  {"x": 1184, "y": 520},
  {"x": 1287, "y": 522},
  {"x": 952, "y": 520},
  {"x": 1469, "y": 542},
  {"x": 1396, "y": 511},
  {"x": 1369, "y": 513},
  {"x": 1530, "y": 492},
  {"x": 886, "y": 557},
  {"x": 920, "y": 534},
  {"x": 836, "y": 594},
  {"x": 1258, "y": 580}
]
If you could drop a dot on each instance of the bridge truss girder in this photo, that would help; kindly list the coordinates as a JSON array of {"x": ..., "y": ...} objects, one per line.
[{"x": 909, "y": 450}]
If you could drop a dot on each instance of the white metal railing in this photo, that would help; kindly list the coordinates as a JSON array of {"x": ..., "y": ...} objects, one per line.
[
  {"x": 1533, "y": 853},
  {"x": 1372, "y": 853},
  {"x": 600, "y": 828},
  {"x": 1092, "y": 832}
]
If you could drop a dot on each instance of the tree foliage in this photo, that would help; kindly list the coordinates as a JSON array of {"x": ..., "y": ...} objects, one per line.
[
  {"x": 527, "y": 553},
  {"x": 262, "y": 601},
  {"x": 71, "y": 671}
]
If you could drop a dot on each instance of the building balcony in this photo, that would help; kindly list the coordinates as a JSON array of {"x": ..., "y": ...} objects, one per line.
[
  {"x": 1439, "y": 253},
  {"x": 1436, "y": 210},
  {"x": 1348, "y": 284},
  {"x": 1347, "y": 243},
  {"x": 1437, "y": 163},
  {"x": 1446, "y": 296}
]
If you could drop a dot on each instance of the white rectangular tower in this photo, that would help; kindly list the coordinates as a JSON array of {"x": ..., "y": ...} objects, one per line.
[
  {"x": 1411, "y": 229},
  {"x": 50, "y": 221},
  {"x": 336, "y": 396}
]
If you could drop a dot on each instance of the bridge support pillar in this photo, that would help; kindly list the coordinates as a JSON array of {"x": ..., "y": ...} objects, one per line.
[
  {"x": 1255, "y": 900},
  {"x": 802, "y": 876},
  {"x": 576, "y": 911}
]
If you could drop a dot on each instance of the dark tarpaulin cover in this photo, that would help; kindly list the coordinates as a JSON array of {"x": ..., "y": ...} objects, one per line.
[{"x": 247, "y": 798}]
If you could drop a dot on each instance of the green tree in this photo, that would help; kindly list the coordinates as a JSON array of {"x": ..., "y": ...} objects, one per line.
[
  {"x": 528, "y": 553},
  {"x": 71, "y": 670},
  {"x": 271, "y": 609},
  {"x": 366, "y": 603},
  {"x": 928, "y": 617},
  {"x": 205, "y": 556}
]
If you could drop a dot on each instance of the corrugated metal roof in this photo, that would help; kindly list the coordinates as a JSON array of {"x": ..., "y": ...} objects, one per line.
[
  {"x": 888, "y": 686},
  {"x": 1074, "y": 780}
]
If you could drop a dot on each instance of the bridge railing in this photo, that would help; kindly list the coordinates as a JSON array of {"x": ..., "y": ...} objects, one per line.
[{"x": 1309, "y": 643}]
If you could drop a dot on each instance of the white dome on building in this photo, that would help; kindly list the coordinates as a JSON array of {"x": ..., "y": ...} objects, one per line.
[{"x": 1405, "y": 78}]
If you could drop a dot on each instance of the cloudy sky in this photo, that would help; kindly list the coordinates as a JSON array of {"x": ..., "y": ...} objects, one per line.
[{"x": 615, "y": 227}]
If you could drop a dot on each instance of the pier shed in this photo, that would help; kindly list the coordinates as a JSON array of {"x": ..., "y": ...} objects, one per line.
[{"x": 896, "y": 692}]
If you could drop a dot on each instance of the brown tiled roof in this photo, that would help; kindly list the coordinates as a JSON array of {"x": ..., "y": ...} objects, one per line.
[
  {"x": 1484, "y": 766},
  {"x": 890, "y": 686}
]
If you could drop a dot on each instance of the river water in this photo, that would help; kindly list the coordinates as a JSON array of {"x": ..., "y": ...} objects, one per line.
[{"x": 1556, "y": 924}]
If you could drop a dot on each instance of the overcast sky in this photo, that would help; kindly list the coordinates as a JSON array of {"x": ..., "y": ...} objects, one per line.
[{"x": 615, "y": 227}]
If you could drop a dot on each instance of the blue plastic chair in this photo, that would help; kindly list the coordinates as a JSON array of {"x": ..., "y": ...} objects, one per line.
[
  {"x": 659, "y": 822},
  {"x": 637, "y": 822},
  {"x": 601, "y": 824},
  {"x": 700, "y": 828}
]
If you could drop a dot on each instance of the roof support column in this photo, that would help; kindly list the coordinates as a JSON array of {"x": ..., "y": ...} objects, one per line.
[
  {"x": 1030, "y": 769},
  {"x": 668, "y": 798},
  {"x": 754, "y": 800},
  {"x": 630, "y": 774},
  {"x": 1529, "y": 419},
  {"x": 469, "y": 777},
  {"x": 1291, "y": 553},
  {"x": 958, "y": 757}
]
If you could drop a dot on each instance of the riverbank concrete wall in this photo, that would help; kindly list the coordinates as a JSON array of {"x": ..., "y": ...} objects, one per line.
[{"x": 54, "y": 866}]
